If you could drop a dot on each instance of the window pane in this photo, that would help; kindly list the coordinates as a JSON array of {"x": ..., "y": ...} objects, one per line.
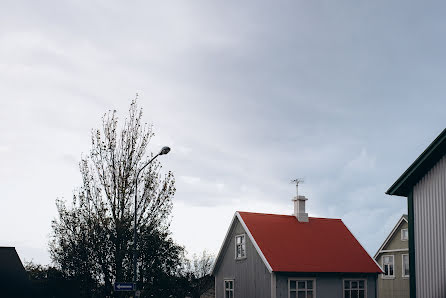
[
  {"x": 292, "y": 294},
  {"x": 361, "y": 294},
  {"x": 391, "y": 270},
  {"x": 301, "y": 294},
  {"x": 310, "y": 294},
  {"x": 386, "y": 269},
  {"x": 301, "y": 285},
  {"x": 292, "y": 284},
  {"x": 346, "y": 284},
  {"x": 354, "y": 294},
  {"x": 309, "y": 284},
  {"x": 231, "y": 284},
  {"x": 354, "y": 284},
  {"x": 346, "y": 294},
  {"x": 226, "y": 294},
  {"x": 361, "y": 284}
]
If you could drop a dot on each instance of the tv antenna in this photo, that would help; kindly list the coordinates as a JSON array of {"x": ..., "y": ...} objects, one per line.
[{"x": 297, "y": 181}]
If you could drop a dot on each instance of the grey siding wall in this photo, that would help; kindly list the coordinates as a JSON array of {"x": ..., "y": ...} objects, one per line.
[
  {"x": 250, "y": 275},
  {"x": 429, "y": 199},
  {"x": 328, "y": 285}
]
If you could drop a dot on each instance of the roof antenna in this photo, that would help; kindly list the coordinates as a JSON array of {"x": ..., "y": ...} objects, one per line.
[
  {"x": 297, "y": 181},
  {"x": 299, "y": 203}
]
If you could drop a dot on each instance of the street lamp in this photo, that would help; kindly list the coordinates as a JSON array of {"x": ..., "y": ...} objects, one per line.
[{"x": 163, "y": 151}]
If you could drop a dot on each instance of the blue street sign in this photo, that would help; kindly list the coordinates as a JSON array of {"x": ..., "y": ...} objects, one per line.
[{"x": 125, "y": 286}]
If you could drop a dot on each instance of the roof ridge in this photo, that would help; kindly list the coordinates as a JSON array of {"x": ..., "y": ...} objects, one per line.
[{"x": 288, "y": 215}]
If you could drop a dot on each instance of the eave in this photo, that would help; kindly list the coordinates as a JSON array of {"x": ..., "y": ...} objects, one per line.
[{"x": 433, "y": 153}]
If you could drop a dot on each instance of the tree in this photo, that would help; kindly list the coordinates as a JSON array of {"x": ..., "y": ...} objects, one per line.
[
  {"x": 92, "y": 240},
  {"x": 198, "y": 273}
]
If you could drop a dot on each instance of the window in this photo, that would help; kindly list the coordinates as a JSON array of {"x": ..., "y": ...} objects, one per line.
[
  {"x": 388, "y": 266},
  {"x": 405, "y": 265},
  {"x": 354, "y": 288},
  {"x": 240, "y": 247},
  {"x": 404, "y": 234},
  {"x": 229, "y": 288},
  {"x": 301, "y": 288}
]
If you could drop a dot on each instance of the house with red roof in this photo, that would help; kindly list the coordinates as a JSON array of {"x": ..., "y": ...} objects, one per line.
[{"x": 288, "y": 256}]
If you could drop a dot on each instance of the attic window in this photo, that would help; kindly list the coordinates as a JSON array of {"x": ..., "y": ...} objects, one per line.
[
  {"x": 240, "y": 246},
  {"x": 404, "y": 234}
]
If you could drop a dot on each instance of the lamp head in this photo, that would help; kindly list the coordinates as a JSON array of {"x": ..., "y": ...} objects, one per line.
[{"x": 164, "y": 150}]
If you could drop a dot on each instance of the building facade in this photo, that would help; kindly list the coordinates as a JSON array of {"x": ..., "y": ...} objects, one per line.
[
  {"x": 424, "y": 185},
  {"x": 393, "y": 257},
  {"x": 280, "y": 256}
]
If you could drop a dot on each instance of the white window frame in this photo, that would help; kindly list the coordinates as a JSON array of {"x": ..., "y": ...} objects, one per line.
[
  {"x": 384, "y": 276},
  {"x": 402, "y": 238},
  {"x": 231, "y": 290},
  {"x": 402, "y": 265},
  {"x": 243, "y": 244},
  {"x": 297, "y": 279},
  {"x": 354, "y": 279}
]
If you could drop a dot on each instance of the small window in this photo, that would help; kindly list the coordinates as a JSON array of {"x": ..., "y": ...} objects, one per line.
[
  {"x": 404, "y": 234},
  {"x": 388, "y": 265},
  {"x": 229, "y": 288},
  {"x": 301, "y": 288},
  {"x": 405, "y": 265},
  {"x": 240, "y": 247},
  {"x": 355, "y": 288}
]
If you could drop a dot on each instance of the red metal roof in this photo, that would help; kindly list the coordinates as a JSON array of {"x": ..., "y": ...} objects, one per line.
[{"x": 320, "y": 245}]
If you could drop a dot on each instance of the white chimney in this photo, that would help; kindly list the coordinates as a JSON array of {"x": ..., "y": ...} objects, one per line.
[{"x": 299, "y": 204}]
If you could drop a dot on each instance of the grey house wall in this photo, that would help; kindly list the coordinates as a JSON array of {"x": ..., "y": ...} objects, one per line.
[
  {"x": 429, "y": 204},
  {"x": 397, "y": 287},
  {"x": 328, "y": 285},
  {"x": 250, "y": 275}
]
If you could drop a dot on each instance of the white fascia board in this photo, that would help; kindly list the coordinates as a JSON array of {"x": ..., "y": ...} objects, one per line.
[
  {"x": 259, "y": 251},
  {"x": 223, "y": 244},
  {"x": 357, "y": 240},
  {"x": 390, "y": 236}
]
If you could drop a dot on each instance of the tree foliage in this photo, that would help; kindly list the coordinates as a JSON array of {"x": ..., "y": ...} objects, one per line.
[{"x": 92, "y": 238}]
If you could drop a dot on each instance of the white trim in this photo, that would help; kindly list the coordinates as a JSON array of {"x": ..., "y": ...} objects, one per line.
[
  {"x": 357, "y": 240},
  {"x": 354, "y": 279},
  {"x": 390, "y": 235},
  {"x": 402, "y": 266},
  {"x": 402, "y": 239},
  {"x": 259, "y": 251},
  {"x": 224, "y": 287},
  {"x": 384, "y": 276},
  {"x": 273, "y": 285},
  {"x": 394, "y": 250},
  {"x": 243, "y": 243},
  {"x": 223, "y": 245},
  {"x": 302, "y": 279}
]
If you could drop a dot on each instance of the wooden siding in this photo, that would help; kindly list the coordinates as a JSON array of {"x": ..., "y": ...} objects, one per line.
[
  {"x": 250, "y": 275},
  {"x": 429, "y": 199},
  {"x": 397, "y": 287},
  {"x": 328, "y": 285}
]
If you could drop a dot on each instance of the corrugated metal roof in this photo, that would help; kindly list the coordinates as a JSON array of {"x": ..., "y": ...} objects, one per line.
[{"x": 321, "y": 245}]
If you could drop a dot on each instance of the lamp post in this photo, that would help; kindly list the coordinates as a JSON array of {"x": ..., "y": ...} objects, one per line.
[{"x": 163, "y": 151}]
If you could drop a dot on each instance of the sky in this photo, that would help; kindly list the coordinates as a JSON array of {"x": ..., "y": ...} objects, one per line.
[{"x": 248, "y": 94}]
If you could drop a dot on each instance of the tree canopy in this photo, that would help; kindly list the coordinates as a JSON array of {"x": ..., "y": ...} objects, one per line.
[{"x": 92, "y": 238}]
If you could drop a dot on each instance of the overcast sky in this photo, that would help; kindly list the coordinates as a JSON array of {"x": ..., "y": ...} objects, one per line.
[{"x": 248, "y": 94}]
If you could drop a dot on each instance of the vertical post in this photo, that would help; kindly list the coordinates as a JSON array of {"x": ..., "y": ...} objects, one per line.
[
  {"x": 134, "y": 233},
  {"x": 412, "y": 264}
]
